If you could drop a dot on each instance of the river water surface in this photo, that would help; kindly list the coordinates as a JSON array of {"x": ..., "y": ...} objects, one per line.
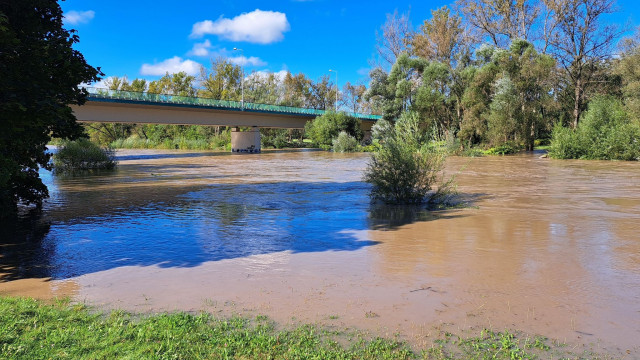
[{"x": 547, "y": 247}]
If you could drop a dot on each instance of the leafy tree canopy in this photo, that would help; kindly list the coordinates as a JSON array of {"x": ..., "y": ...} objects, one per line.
[{"x": 41, "y": 73}]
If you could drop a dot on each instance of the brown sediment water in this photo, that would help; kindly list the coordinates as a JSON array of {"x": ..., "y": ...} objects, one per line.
[{"x": 547, "y": 247}]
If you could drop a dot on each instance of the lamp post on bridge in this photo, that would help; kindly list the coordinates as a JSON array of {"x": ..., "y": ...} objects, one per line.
[
  {"x": 337, "y": 88},
  {"x": 242, "y": 80}
]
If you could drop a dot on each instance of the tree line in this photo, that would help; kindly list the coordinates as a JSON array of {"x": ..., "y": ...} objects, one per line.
[{"x": 495, "y": 72}]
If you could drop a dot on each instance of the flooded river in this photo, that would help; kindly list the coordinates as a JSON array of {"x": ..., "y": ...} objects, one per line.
[{"x": 547, "y": 247}]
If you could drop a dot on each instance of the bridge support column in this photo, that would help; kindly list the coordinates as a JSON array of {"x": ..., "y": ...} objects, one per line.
[{"x": 245, "y": 141}]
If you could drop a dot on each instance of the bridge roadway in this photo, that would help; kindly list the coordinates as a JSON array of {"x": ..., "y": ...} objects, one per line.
[{"x": 108, "y": 106}]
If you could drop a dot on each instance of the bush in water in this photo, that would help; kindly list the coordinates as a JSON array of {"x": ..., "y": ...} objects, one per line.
[
  {"x": 82, "y": 154},
  {"x": 406, "y": 169}
]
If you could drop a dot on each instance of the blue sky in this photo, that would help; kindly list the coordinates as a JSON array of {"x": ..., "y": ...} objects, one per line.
[{"x": 146, "y": 38}]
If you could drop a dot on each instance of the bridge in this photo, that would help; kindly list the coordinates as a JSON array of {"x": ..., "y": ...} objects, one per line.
[{"x": 117, "y": 106}]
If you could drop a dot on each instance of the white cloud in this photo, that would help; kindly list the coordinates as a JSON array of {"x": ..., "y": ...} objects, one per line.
[
  {"x": 207, "y": 49},
  {"x": 201, "y": 49},
  {"x": 263, "y": 74},
  {"x": 262, "y": 27},
  {"x": 244, "y": 61},
  {"x": 79, "y": 17},
  {"x": 99, "y": 84},
  {"x": 173, "y": 65}
]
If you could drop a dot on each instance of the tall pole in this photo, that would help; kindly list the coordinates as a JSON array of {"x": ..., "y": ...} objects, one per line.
[
  {"x": 242, "y": 80},
  {"x": 337, "y": 88}
]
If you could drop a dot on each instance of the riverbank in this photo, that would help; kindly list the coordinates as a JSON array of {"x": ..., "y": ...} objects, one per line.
[{"x": 31, "y": 329}]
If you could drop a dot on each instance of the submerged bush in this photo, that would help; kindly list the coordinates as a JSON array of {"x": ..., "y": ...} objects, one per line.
[
  {"x": 82, "y": 154},
  {"x": 605, "y": 133},
  {"x": 503, "y": 149},
  {"x": 345, "y": 143},
  {"x": 406, "y": 169}
]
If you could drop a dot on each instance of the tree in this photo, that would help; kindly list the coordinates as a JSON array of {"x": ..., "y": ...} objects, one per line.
[
  {"x": 477, "y": 97},
  {"x": 628, "y": 68},
  {"x": 395, "y": 37},
  {"x": 397, "y": 90},
  {"x": 297, "y": 89},
  {"x": 138, "y": 85},
  {"x": 116, "y": 82},
  {"x": 580, "y": 42},
  {"x": 526, "y": 85},
  {"x": 322, "y": 94},
  {"x": 502, "y": 21},
  {"x": 440, "y": 38},
  {"x": 428, "y": 88},
  {"x": 353, "y": 97},
  {"x": 180, "y": 84},
  {"x": 263, "y": 88},
  {"x": 41, "y": 74},
  {"x": 223, "y": 81}
]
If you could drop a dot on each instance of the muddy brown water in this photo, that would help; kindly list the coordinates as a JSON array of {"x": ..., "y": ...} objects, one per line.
[{"x": 547, "y": 247}]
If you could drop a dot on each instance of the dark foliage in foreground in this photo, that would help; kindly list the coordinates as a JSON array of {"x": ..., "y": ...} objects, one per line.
[{"x": 40, "y": 77}]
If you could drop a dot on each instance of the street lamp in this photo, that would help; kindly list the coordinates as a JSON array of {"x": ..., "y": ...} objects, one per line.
[
  {"x": 242, "y": 81},
  {"x": 337, "y": 88}
]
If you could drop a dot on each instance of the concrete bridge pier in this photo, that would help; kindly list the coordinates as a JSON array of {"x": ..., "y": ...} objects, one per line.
[{"x": 245, "y": 141}]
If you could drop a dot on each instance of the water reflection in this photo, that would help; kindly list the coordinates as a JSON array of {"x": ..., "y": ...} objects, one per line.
[
  {"x": 215, "y": 223},
  {"x": 22, "y": 252}
]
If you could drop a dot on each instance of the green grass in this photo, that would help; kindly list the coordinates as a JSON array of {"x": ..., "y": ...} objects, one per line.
[{"x": 31, "y": 329}]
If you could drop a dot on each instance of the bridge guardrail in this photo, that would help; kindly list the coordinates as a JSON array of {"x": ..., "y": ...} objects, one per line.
[{"x": 208, "y": 102}]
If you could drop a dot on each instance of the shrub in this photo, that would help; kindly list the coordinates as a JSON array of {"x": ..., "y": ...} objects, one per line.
[
  {"x": 275, "y": 138},
  {"x": 82, "y": 154},
  {"x": 323, "y": 129},
  {"x": 345, "y": 143},
  {"x": 605, "y": 133},
  {"x": 503, "y": 149},
  {"x": 213, "y": 142},
  {"x": 405, "y": 171},
  {"x": 381, "y": 130},
  {"x": 373, "y": 147}
]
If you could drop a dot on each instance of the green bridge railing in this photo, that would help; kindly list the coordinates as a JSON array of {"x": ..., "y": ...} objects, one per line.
[{"x": 100, "y": 93}]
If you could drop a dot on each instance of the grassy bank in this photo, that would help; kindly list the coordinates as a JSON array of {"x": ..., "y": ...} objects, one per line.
[{"x": 31, "y": 329}]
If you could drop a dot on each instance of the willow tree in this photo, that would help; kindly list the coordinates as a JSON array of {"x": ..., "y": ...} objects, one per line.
[{"x": 41, "y": 74}]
